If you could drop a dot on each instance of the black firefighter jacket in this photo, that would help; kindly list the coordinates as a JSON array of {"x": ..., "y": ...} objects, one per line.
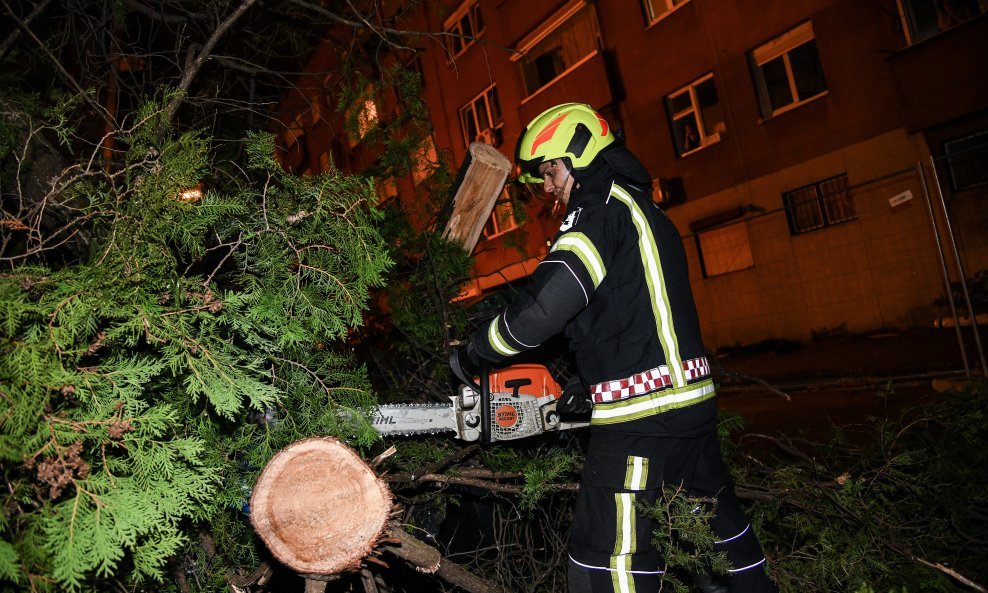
[{"x": 616, "y": 282}]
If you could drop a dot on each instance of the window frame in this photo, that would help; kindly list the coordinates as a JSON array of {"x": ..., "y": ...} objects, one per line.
[
  {"x": 453, "y": 28},
  {"x": 486, "y": 98},
  {"x": 782, "y": 46},
  {"x": 560, "y": 19},
  {"x": 503, "y": 205},
  {"x": 706, "y": 137},
  {"x": 824, "y": 206},
  {"x": 671, "y": 6},
  {"x": 915, "y": 24},
  {"x": 709, "y": 256},
  {"x": 953, "y": 159}
]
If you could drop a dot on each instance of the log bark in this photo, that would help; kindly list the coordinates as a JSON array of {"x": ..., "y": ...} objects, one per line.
[{"x": 428, "y": 559}]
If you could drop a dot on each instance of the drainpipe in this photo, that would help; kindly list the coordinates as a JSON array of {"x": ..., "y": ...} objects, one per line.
[
  {"x": 943, "y": 269},
  {"x": 960, "y": 267}
]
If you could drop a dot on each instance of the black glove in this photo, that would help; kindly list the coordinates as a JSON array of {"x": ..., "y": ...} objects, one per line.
[
  {"x": 465, "y": 363},
  {"x": 575, "y": 405}
]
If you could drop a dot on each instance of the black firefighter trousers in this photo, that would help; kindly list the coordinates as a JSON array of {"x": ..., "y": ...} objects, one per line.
[{"x": 610, "y": 544}]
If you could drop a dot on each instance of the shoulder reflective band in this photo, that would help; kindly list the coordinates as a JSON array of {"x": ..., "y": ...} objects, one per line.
[{"x": 579, "y": 244}]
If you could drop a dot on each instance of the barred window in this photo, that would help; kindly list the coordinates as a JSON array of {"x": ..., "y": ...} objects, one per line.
[
  {"x": 824, "y": 203},
  {"x": 967, "y": 160}
]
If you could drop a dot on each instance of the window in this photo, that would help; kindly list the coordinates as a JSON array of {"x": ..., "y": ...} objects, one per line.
[
  {"x": 558, "y": 46},
  {"x": 502, "y": 218},
  {"x": 787, "y": 71},
  {"x": 481, "y": 119},
  {"x": 363, "y": 116},
  {"x": 967, "y": 160},
  {"x": 656, "y": 9},
  {"x": 462, "y": 27},
  {"x": 725, "y": 249},
  {"x": 695, "y": 116},
  {"x": 426, "y": 160},
  {"x": 925, "y": 18},
  {"x": 820, "y": 204}
]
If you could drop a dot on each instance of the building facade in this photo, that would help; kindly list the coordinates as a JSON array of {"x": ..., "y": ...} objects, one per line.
[{"x": 794, "y": 144}]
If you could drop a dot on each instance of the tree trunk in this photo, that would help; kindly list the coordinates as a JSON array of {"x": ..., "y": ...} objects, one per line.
[{"x": 322, "y": 510}]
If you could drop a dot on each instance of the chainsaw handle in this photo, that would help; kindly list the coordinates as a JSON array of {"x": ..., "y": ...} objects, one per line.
[
  {"x": 484, "y": 389},
  {"x": 485, "y": 405}
]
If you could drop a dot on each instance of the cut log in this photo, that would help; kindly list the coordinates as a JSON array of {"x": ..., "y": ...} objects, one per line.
[
  {"x": 479, "y": 183},
  {"x": 319, "y": 507},
  {"x": 323, "y": 511}
]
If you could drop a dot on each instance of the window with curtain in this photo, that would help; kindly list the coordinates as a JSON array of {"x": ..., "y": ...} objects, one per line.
[{"x": 572, "y": 40}]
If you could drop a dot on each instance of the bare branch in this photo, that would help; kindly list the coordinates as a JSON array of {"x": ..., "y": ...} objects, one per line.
[
  {"x": 195, "y": 64},
  {"x": 9, "y": 41}
]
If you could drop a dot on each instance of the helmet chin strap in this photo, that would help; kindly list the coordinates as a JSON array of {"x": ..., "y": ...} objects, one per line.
[{"x": 569, "y": 172}]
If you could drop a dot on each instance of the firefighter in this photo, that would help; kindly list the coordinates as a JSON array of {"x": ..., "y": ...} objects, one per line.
[{"x": 615, "y": 282}]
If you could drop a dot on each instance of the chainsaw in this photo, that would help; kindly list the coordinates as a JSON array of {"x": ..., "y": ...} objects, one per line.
[{"x": 506, "y": 404}]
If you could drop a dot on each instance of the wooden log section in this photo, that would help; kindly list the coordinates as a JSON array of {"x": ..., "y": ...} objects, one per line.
[
  {"x": 319, "y": 507},
  {"x": 480, "y": 182},
  {"x": 322, "y": 511}
]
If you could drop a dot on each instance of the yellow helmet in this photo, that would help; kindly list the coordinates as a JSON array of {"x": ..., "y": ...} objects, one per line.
[{"x": 571, "y": 131}]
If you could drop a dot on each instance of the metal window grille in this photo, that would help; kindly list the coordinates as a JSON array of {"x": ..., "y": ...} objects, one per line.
[
  {"x": 967, "y": 161},
  {"x": 821, "y": 204}
]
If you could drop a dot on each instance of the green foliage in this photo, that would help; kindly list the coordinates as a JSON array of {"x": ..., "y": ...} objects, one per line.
[
  {"x": 156, "y": 350},
  {"x": 683, "y": 536},
  {"x": 893, "y": 508}
]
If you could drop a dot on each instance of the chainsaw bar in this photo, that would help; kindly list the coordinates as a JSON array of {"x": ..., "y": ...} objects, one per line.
[{"x": 413, "y": 419}]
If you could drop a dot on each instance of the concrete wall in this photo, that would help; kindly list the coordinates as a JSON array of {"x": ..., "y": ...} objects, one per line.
[{"x": 878, "y": 271}]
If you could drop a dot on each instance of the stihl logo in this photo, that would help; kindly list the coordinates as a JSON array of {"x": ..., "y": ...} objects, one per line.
[
  {"x": 506, "y": 416},
  {"x": 382, "y": 419}
]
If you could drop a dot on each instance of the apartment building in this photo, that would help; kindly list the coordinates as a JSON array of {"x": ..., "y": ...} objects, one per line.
[{"x": 794, "y": 144}]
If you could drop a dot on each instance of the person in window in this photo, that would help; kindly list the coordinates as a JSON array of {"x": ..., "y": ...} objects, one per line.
[
  {"x": 691, "y": 138},
  {"x": 615, "y": 282}
]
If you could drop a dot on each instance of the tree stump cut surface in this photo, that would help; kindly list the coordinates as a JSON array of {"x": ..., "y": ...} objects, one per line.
[{"x": 319, "y": 507}]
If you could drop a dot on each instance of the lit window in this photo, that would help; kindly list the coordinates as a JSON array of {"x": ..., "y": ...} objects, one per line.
[
  {"x": 819, "y": 204},
  {"x": 656, "y": 9},
  {"x": 481, "y": 120},
  {"x": 695, "y": 115},
  {"x": 462, "y": 27},
  {"x": 426, "y": 160},
  {"x": 502, "y": 218},
  {"x": 925, "y": 18},
  {"x": 366, "y": 119},
  {"x": 967, "y": 161},
  {"x": 725, "y": 249},
  {"x": 560, "y": 45},
  {"x": 787, "y": 71}
]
